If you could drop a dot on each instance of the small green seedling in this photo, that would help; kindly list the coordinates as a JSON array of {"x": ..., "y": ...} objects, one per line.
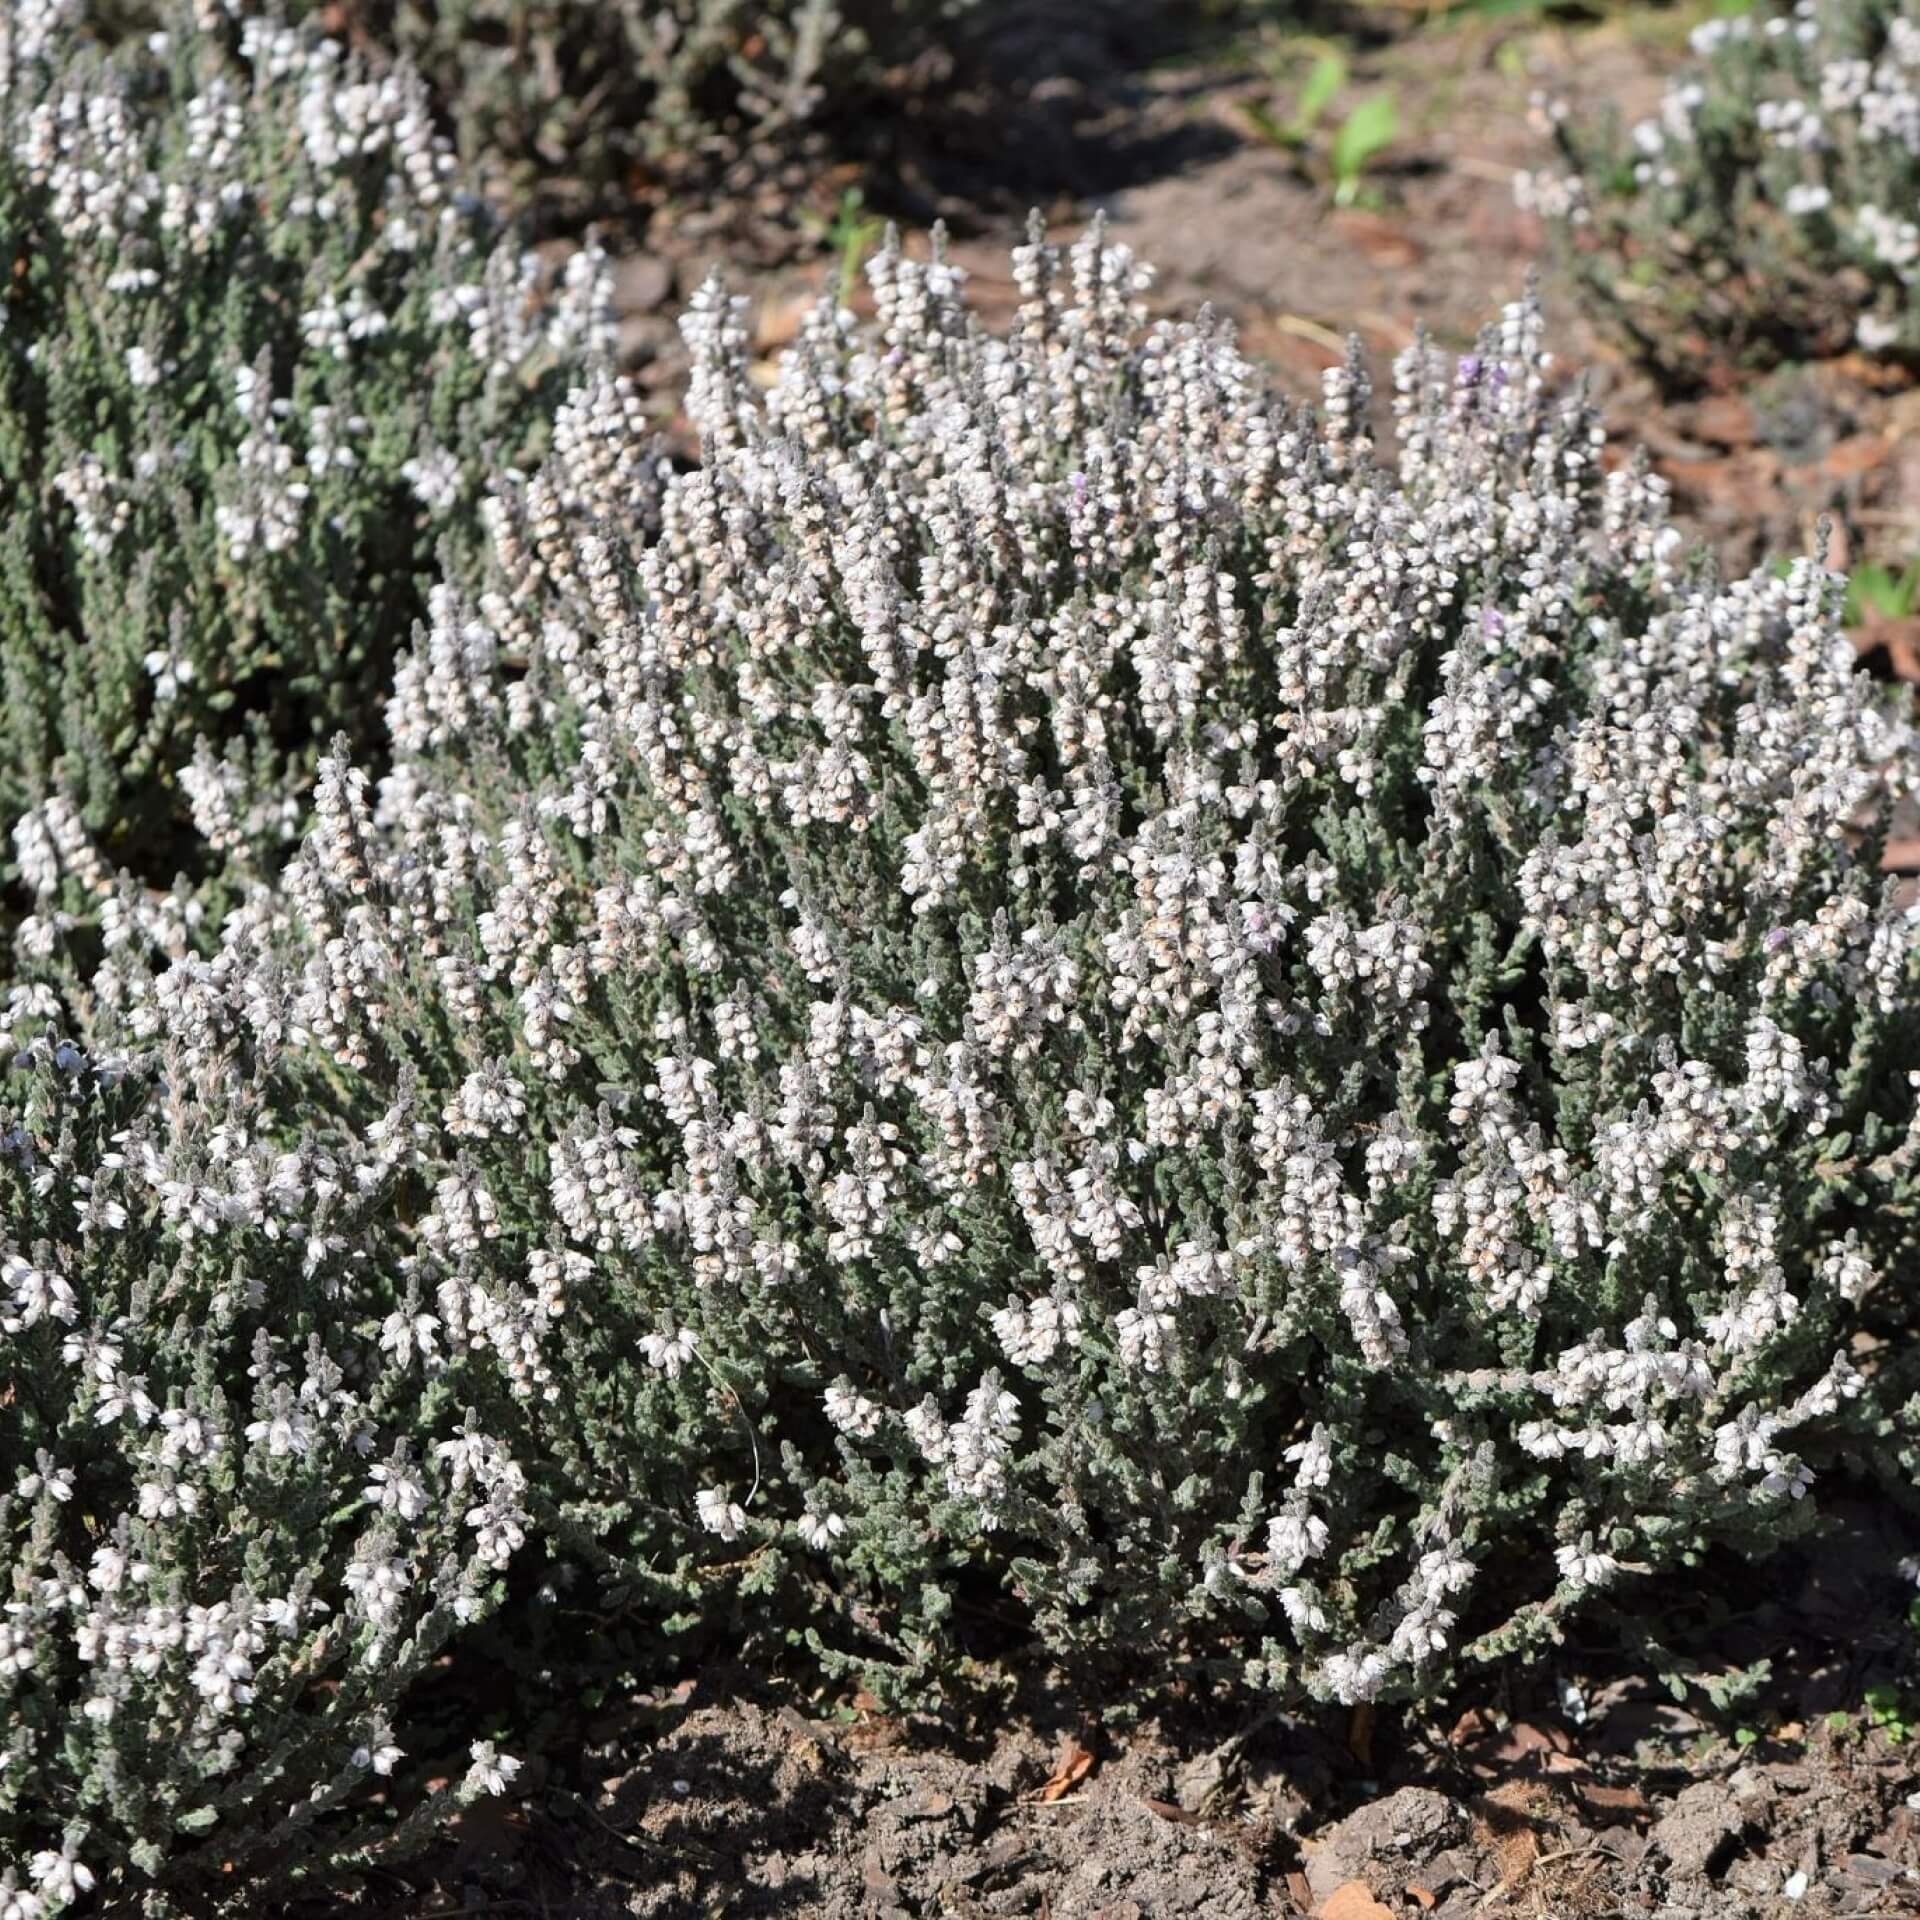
[
  {"x": 1889, "y": 1711},
  {"x": 1325, "y": 79},
  {"x": 1368, "y": 130},
  {"x": 1323, "y": 85},
  {"x": 1877, "y": 590},
  {"x": 1372, "y": 126},
  {"x": 853, "y": 234}
]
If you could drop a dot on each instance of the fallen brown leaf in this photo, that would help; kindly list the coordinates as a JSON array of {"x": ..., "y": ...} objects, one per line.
[
  {"x": 1727, "y": 419},
  {"x": 780, "y": 320},
  {"x": 1611, "y": 1805},
  {"x": 1899, "y": 634},
  {"x": 1519, "y": 1853},
  {"x": 1168, "y": 1810},
  {"x": 1075, "y": 1763},
  {"x": 1744, "y": 484},
  {"x": 1300, "y": 1892},
  {"x": 1858, "y": 453},
  {"x": 1425, "y": 1895},
  {"x": 1384, "y": 241},
  {"x": 1516, "y": 1800},
  {"x": 1523, "y": 1739},
  {"x": 1354, "y": 1901}
]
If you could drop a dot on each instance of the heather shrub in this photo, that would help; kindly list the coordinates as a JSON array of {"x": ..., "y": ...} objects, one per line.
[
  {"x": 574, "y": 96},
  {"x": 1768, "y": 207},
  {"x": 234, "y": 1532},
  {"x": 1040, "y": 976},
  {"x": 257, "y": 352}
]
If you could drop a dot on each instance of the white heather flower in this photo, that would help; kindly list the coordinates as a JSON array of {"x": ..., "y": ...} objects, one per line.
[
  {"x": 1312, "y": 1460},
  {"x": 1585, "y": 1565},
  {"x": 1294, "y": 1538},
  {"x": 928, "y": 1431},
  {"x": 1355, "y": 1677},
  {"x": 395, "y": 1490},
  {"x": 820, "y": 1528},
  {"x": 668, "y": 1350},
  {"x": 492, "y": 1772},
  {"x": 1032, "y": 1332},
  {"x": 1143, "y": 1334},
  {"x": 490, "y": 1101},
  {"x": 852, "y": 1413},
  {"x": 46, "y": 1478},
  {"x": 59, "y": 1876},
  {"x": 720, "y": 1515}
]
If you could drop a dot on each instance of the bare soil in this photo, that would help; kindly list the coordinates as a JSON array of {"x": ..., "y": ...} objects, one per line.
[{"x": 1601, "y": 1782}]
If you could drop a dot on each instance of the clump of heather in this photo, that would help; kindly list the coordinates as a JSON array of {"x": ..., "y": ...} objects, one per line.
[
  {"x": 568, "y": 97},
  {"x": 1769, "y": 206},
  {"x": 1042, "y": 974},
  {"x": 234, "y": 1533},
  {"x": 257, "y": 355}
]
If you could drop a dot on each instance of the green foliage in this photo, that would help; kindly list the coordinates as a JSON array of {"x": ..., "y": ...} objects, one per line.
[
  {"x": 232, "y": 1539},
  {"x": 1365, "y": 133},
  {"x": 1875, "y": 589},
  {"x": 1037, "y": 987},
  {"x": 1324, "y": 82},
  {"x": 852, "y": 235}
]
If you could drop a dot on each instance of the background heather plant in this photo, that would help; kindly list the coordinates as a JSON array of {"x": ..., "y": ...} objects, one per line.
[
  {"x": 257, "y": 351},
  {"x": 1768, "y": 206},
  {"x": 570, "y": 97}
]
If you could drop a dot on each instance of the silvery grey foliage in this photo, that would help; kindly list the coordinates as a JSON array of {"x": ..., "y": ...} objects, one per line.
[
  {"x": 257, "y": 353},
  {"x": 234, "y": 1530},
  {"x": 1769, "y": 206},
  {"x": 565, "y": 97},
  {"x": 1041, "y": 974}
]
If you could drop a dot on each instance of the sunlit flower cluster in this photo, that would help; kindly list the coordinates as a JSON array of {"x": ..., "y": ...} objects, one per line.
[
  {"x": 257, "y": 356},
  {"x": 1770, "y": 200}
]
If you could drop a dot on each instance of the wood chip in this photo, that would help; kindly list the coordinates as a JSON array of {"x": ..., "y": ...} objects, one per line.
[
  {"x": 1523, "y": 1739},
  {"x": 1354, "y": 1901},
  {"x": 1859, "y": 453},
  {"x": 1899, "y": 634},
  {"x": 1472, "y": 1725},
  {"x": 1726, "y": 418}
]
